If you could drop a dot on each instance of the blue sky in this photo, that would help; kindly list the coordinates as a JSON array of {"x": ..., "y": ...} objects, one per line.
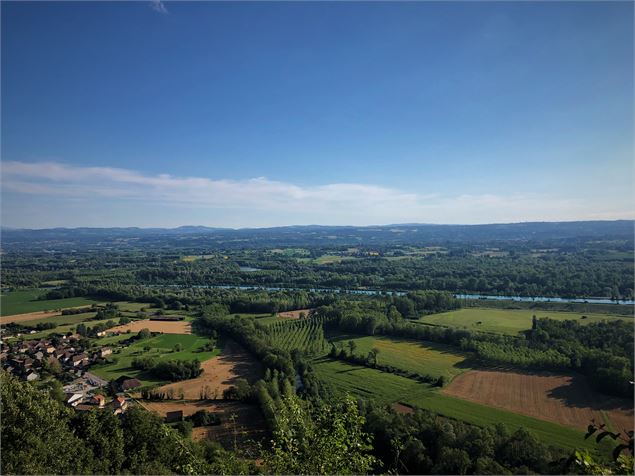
[{"x": 262, "y": 114}]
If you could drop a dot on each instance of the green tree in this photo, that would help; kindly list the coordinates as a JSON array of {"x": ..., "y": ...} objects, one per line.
[
  {"x": 452, "y": 461},
  {"x": 101, "y": 433},
  {"x": 352, "y": 346},
  {"x": 35, "y": 435},
  {"x": 184, "y": 428},
  {"x": 56, "y": 390},
  {"x": 324, "y": 440}
]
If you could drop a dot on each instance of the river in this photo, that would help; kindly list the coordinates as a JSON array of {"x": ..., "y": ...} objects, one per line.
[{"x": 372, "y": 292}]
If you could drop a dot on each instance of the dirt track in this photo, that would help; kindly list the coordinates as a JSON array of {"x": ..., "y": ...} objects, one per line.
[
  {"x": 564, "y": 399},
  {"x": 167, "y": 327},
  {"x": 219, "y": 373}
]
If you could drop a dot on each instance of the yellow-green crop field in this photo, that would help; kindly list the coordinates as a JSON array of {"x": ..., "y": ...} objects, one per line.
[{"x": 507, "y": 321}]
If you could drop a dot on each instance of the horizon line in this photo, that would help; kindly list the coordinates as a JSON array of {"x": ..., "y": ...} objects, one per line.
[{"x": 210, "y": 227}]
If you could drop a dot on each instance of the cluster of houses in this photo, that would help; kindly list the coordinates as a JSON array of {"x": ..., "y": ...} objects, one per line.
[
  {"x": 27, "y": 358},
  {"x": 86, "y": 400},
  {"x": 81, "y": 394}
]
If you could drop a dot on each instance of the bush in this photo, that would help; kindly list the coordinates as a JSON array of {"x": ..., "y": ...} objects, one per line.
[
  {"x": 205, "y": 418},
  {"x": 184, "y": 427},
  {"x": 241, "y": 391}
]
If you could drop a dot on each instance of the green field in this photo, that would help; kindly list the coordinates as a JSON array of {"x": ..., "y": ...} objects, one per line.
[
  {"x": 65, "y": 328},
  {"x": 65, "y": 320},
  {"x": 506, "y": 321},
  {"x": 388, "y": 388},
  {"x": 21, "y": 302},
  {"x": 128, "y": 306},
  {"x": 481, "y": 415},
  {"x": 368, "y": 383},
  {"x": 425, "y": 358},
  {"x": 161, "y": 348}
]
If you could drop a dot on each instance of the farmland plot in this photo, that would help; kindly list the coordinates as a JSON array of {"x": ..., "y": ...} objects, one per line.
[
  {"x": 219, "y": 373},
  {"x": 564, "y": 399},
  {"x": 241, "y": 423},
  {"x": 167, "y": 327},
  {"x": 425, "y": 358},
  {"x": 507, "y": 321}
]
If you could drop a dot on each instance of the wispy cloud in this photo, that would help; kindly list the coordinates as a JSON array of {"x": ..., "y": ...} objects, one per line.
[
  {"x": 336, "y": 203},
  {"x": 159, "y": 6}
]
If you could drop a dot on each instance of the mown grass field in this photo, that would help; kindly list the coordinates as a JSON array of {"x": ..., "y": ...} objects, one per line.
[
  {"x": 425, "y": 358},
  {"x": 161, "y": 347},
  {"x": 507, "y": 321},
  {"x": 22, "y": 302},
  {"x": 369, "y": 383},
  {"x": 387, "y": 388},
  {"x": 65, "y": 320}
]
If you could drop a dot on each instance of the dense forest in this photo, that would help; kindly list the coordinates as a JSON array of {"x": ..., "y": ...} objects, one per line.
[{"x": 511, "y": 269}]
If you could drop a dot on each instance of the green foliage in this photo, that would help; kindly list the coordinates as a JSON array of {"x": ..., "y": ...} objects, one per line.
[
  {"x": 204, "y": 418},
  {"x": 173, "y": 370},
  {"x": 41, "y": 436},
  {"x": 184, "y": 427},
  {"x": 241, "y": 390},
  {"x": 35, "y": 433},
  {"x": 323, "y": 440},
  {"x": 101, "y": 433},
  {"x": 306, "y": 335}
]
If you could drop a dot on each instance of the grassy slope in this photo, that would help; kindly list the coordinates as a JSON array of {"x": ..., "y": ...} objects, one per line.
[
  {"x": 21, "y": 302},
  {"x": 161, "y": 348},
  {"x": 386, "y": 388},
  {"x": 506, "y": 321},
  {"x": 421, "y": 357},
  {"x": 369, "y": 383}
]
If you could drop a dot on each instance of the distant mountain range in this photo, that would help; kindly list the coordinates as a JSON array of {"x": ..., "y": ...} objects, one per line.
[{"x": 317, "y": 235}]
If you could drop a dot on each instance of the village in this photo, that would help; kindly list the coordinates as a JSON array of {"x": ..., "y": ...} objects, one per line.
[{"x": 64, "y": 359}]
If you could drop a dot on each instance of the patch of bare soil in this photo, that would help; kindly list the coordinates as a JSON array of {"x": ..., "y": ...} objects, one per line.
[
  {"x": 218, "y": 374},
  {"x": 401, "y": 408},
  {"x": 167, "y": 327},
  {"x": 34, "y": 316},
  {"x": 241, "y": 423},
  {"x": 295, "y": 314},
  {"x": 564, "y": 399},
  {"x": 30, "y": 316}
]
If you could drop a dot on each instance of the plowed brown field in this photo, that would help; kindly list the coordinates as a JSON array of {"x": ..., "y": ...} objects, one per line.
[
  {"x": 34, "y": 316},
  {"x": 219, "y": 373},
  {"x": 564, "y": 399},
  {"x": 167, "y": 327}
]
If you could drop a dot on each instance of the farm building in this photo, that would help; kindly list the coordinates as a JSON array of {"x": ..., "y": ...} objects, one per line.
[{"x": 174, "y": 416}]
